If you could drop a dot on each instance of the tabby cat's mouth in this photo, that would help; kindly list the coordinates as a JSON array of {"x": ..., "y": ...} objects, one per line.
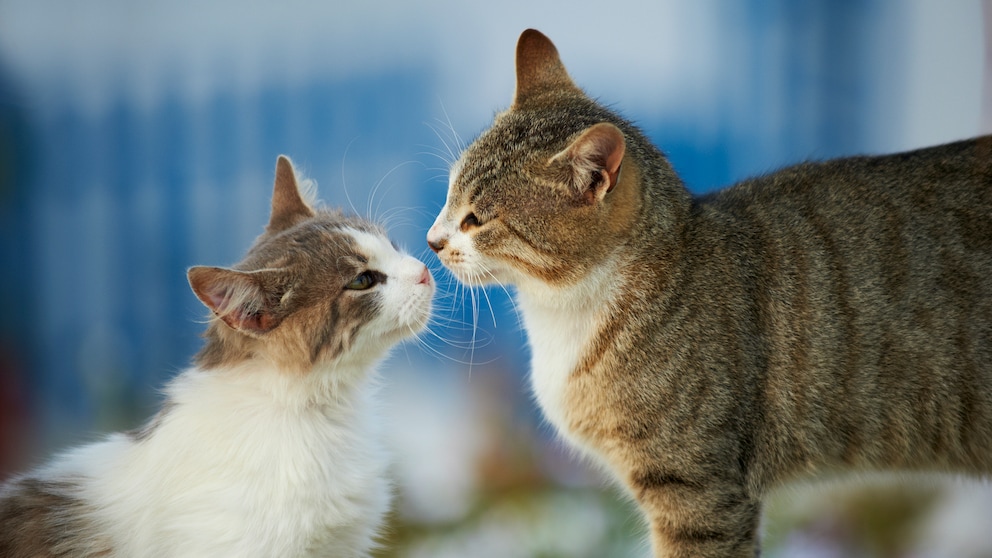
[{"x": 476, "y": 278}]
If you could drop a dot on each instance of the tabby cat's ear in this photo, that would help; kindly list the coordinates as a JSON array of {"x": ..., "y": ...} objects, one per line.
[
  {"x": 288, "y": 207},
  {"x": 594, "y": 161},
  {"x": 244, "y": 300},
  {"x": 538, "y": 67}
]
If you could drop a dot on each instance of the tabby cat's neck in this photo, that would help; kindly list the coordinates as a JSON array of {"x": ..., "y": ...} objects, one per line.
[
  {"x": 586, "y": 295},
  {"x": 562, "y": 324}
]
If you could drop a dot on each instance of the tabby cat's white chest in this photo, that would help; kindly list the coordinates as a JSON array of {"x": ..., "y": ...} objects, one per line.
[{"x": 558, "y": 339}]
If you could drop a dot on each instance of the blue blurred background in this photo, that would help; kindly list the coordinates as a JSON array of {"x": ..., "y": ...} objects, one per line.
[{"x": 139, "y": 138}]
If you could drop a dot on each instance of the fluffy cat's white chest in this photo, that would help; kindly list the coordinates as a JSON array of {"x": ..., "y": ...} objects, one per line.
[{"x": 227, "y": 473}]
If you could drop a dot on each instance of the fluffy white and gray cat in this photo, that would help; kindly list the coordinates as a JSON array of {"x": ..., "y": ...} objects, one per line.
[{"x": 267, "y": 446}]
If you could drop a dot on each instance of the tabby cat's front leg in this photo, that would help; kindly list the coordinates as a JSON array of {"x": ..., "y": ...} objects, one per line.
[{"x": 690, "y": 519}]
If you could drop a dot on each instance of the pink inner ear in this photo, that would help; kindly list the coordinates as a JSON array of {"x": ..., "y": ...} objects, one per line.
[
  {"x": 605, "y": 147},
  {"x": 217, "y": 300},
  {"x": 257, "y": 322},
  {"x": 230, "y": 294},
  {"x": 600, "y": 148},
  {"x": 241, "y": 319}
]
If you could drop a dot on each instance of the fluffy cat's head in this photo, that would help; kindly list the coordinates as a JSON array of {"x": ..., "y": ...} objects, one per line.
[
  {"x": 317, "y": 287},
  {"x": 551, "y": 189}
]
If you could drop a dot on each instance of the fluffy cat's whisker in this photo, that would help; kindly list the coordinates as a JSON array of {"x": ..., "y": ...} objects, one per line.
[
  {"x": 398, "y": 219},
  {"x": 372, "y": 213},
  {"x": 451, "y": 321},
  {"x": 411, "y": 216},
  {"x": 344, "y": 178},
  {"x": 445, "y": 308},
  {"x": 444, "y": 355}
]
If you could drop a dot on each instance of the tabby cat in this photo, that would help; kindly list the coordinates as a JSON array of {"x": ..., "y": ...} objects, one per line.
[
  {"x": 832, "y": 316},
  {"x": 268, "y": 445}
]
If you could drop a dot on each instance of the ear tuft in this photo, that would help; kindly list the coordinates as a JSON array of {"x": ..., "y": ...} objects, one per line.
[
  {"x": 236, "y": 297},
  {"x": 288, "y": 206},
  {"x": 538, "y": 67},
  {"x": 595, "y": 159}
]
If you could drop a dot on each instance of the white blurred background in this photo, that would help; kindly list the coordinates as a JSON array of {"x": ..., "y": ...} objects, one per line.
[{"x": 139, "y": 138}]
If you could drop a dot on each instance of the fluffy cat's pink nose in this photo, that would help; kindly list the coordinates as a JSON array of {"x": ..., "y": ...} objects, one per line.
[{"x": 425, "y": 277}]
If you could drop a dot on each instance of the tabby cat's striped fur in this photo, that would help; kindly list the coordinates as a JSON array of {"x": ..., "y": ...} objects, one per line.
[{"x": 830, "y": 316}]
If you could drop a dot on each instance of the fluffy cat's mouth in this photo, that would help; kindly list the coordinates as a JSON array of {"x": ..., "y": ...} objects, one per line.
[
  {"x": 419, "y": 317},
  {"x": 415, "y": 314}
]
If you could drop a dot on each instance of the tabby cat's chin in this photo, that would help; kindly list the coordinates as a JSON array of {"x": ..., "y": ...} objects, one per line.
[
  {"x": 474, "y": 279},
  {"x": 476, "y": 276}
]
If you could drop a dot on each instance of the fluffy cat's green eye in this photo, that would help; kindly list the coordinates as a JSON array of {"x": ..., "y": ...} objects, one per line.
[
  {"x": 470, "y": 221},
  {"x": 364, "y": 280}
]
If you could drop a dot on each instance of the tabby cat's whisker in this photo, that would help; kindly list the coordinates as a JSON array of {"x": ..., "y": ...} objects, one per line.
[
  {"x": 452, "y": 151},
  {"x": 506, "y": 291}
]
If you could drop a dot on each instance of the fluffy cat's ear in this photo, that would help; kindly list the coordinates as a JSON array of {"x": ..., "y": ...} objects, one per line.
[
  {"x": 538, "y": 67},
  {"x": 244, "y": 300},
  {"x": 593, "y": 161},
  {"x": 288, "y": 206}
]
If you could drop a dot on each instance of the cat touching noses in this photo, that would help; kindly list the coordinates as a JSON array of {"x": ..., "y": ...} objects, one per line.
[
  {"x": 269, "y": 444},
  {"x": 832, "y": 316}
]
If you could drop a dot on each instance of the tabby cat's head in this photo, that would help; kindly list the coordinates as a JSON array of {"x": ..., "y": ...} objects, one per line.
[
  {"x": 316, "y": 287},
  {"x": 546, "y": 193}
]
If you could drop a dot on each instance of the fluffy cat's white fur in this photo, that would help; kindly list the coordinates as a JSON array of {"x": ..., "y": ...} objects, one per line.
[{"x": 309, "y": 454}]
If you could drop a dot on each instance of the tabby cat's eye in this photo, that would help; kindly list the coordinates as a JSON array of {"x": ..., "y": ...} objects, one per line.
[
  {"x": 364, "y": 280},
  {"x": 470, "y": 221}
]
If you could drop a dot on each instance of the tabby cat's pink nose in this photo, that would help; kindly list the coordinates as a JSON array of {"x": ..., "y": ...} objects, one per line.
[
  {"x": 435, "y": 239},
  {"x": 436, "y": 246}
]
